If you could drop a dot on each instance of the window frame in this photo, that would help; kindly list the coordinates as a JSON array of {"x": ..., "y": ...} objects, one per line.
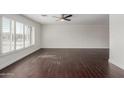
[
  {"x": 0, "y": 35},
  {"x": 15, "y": 50}
]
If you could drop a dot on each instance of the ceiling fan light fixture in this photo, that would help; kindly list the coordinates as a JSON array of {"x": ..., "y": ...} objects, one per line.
[
  {"x": 62, "y": 20},
  {"x": 63, "y": 17}
]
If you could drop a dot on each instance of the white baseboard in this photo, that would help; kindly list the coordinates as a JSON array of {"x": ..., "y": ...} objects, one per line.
[{"x": 115, "y": 63}]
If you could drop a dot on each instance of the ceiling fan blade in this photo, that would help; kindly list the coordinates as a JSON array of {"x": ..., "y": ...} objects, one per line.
[
  {"x": 68, "y": 16},
  {"x": 67, "y": 19}
]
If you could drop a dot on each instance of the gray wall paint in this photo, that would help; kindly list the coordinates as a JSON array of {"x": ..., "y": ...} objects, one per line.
[
  {"x": 75, "y": 36},
  {"x": 117, "y": 40}
]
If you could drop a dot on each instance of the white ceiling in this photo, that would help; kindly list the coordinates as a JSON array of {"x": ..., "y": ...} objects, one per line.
[{"x": 84, "y": 19}]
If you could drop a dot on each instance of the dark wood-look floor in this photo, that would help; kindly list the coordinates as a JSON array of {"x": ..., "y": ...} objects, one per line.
[{"x": 64, "y": 63}]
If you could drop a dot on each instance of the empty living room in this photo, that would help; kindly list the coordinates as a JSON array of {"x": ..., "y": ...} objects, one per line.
[{"x": 61, "y": 46}]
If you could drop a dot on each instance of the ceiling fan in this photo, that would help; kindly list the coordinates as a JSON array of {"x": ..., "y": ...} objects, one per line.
[{"x": 63, "y": 17}]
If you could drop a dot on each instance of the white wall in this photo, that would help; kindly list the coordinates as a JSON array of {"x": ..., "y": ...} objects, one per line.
[
  {"x": 117, "y": 40},
  {"x": 75, "y": 36},
  {"x": 5, "y": 60}
]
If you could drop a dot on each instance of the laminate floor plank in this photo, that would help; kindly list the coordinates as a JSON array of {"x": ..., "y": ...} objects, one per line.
[{"x": 64, "y": 63}]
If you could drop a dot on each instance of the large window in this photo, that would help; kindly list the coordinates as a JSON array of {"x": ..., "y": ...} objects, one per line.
[
  {"x": 15, "y": 35},
  {"x": 32, "y": 35},
  {"x": 19, "y": 35},
  {"x": 7, "y": 35},
  {"x": 27, "y": 36}
]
